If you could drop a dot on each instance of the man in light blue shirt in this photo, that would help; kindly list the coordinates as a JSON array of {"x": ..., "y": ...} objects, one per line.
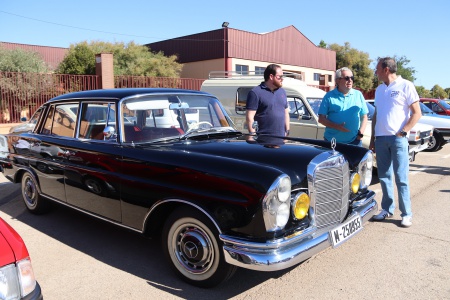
[{"x": 343, "y": 111}]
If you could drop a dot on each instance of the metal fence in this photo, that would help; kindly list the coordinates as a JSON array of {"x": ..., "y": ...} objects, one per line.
[{"x": 22, "y": 93}]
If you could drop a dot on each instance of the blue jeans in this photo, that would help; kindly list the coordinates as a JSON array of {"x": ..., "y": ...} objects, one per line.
[{"x": 393, "y": 159}]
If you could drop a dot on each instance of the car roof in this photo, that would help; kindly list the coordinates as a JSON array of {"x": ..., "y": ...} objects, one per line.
[{"x": 122, "y": 93}]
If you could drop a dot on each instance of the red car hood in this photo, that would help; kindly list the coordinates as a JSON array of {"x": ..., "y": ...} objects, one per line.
[{"x": 12, "y": 247}]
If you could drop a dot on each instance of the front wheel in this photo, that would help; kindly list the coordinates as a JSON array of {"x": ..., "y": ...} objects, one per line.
[
  {"x": 33, "y": 201},
  {"x": 435, "y": 142},
  {"x": 192, "y": 246}
]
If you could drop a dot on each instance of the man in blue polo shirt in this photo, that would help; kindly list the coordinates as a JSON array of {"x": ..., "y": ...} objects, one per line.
[
  {"x": 343, "y": 111},
  {"x": 267, "y": 104}
]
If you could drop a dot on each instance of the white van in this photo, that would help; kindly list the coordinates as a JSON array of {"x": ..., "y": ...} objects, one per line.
[{"x": 304, "y": 101}]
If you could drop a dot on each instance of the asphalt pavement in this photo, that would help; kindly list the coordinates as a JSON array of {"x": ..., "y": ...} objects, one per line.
[{"x": 78, "y": 257}]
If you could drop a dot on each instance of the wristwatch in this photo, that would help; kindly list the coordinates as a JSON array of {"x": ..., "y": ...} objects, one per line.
[
  {"x": 360, "y": 134},
  {"x": 403, "y": 133}
]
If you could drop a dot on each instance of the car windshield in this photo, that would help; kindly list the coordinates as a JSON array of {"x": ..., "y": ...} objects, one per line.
[
  {"x": 371, "y": 109},
  {"x": 166, "y": 116},
  {"x": 425, "y": 110},
  {"x": 315, "y": 104},
  {"x": 444, "y": 104}
]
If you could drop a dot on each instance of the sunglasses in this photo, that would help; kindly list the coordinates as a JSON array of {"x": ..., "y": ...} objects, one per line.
[{"x": 347, "y": 78}]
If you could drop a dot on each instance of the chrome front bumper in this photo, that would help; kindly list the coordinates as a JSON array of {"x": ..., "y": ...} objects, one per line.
[{"x": 290, "y": 251}]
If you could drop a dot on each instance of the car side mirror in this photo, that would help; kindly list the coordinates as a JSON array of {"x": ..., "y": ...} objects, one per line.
[{"x": 108, "y": 132}]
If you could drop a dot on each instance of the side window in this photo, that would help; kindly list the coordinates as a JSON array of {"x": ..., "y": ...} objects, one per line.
[
  {"x": 316, "y": 77},
  {"x": 296, "y": 108},
  {"x": 259, "y": 70},
  {"x": 60, "y": 121},
  {"x": 94, "y": 119},
  {"x": 241, "y": 99},
  {"x": 241, "y": 69}
]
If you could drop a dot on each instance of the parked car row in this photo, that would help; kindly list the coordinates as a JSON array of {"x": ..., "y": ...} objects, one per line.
[{"x": 219, "y": 199}]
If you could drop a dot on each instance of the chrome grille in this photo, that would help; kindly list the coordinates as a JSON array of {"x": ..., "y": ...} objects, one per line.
[{"x": 329, "y": 189}]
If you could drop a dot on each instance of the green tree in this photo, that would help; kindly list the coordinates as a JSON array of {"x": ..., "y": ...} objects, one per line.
[
  {"x": 423, "y": 92},
  {"x": 438, "y": 92},
  {"x": 447, "y": 90},
  {"x": 357, "y": 61},
  {"x": 19, "y": 60},
  {"x": 322, "y": 44},
  {"x": 80, "y": 60},
  {"x": 128, "y": 59},
  {"x": 403, "y": 70}
]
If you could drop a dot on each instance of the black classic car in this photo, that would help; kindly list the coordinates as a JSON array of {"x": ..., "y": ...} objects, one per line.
[{"x": 169, "y": 162}]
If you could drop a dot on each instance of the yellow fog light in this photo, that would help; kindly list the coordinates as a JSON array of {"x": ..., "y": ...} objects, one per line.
[
  {"x": 300, "y": 205},
  {"x": 355, "y": 181}
]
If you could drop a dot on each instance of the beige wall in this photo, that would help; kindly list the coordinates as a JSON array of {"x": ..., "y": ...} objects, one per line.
[{"x": 201, "y": 69}]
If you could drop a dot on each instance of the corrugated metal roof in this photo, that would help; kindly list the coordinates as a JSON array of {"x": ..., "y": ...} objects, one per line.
[
  {"x": 284, "y": 46},
  {"x": 51, "y": 55}
]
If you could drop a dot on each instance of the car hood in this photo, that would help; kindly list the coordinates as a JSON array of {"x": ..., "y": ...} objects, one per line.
[
  {"x": 265, "y": 155},
  {"x": 437, "y": 121}
]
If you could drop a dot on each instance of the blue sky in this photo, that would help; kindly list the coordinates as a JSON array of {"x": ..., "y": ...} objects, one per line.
[{"x": 418, "y": 30}]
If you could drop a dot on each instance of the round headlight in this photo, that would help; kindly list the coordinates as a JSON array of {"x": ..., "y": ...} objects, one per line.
[
  {"x": 284, "y": 189},
  {"x": 282, "y": 215},
  {"x": 355, "y": 181},
  {"x": 300, "y": 205}
]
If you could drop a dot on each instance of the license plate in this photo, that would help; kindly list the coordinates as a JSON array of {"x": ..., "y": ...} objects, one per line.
[{"x": 345, "y": 231}]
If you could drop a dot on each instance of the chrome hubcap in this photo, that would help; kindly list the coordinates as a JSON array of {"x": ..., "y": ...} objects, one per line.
[{"x": 193, "y": 249}]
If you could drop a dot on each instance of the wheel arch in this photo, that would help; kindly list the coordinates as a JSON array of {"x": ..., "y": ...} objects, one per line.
[{"x": 154, "y": 221}]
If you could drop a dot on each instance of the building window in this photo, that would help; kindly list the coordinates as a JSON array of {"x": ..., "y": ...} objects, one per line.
[
  {"x": 330, "y": 78},
  {"x": 241, "y": 69},
  {"x": 259, "y": 70},
  {"x": 316, "y": 76}
]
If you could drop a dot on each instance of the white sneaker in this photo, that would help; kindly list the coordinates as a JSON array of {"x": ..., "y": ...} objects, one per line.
[
  {"x": 406, "y": 221},
  {"x": 382, "y": 215}
]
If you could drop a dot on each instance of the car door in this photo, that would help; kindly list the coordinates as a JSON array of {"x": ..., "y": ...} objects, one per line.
[
  {"x": 303, "y": 119},
  {"x": 93, "y": 163}
]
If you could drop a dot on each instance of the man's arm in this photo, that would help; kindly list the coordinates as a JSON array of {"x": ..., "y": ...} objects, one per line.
[
  {"x": 327, "y": 123},
  {"x": 372, "y": 137},
  {"x": 416, "y": 114},
  {"x": 287, "y": 121},
  {"x": 250, "y": 117},
  {"x": 362, "y": 128}
]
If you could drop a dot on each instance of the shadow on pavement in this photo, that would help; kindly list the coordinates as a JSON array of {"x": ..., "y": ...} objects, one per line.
[{"x": 123, "y": 249}]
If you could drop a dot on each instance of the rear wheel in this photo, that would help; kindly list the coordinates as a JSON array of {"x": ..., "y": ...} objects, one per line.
[
  {"x": 192, "y": 246},
  {"x": 33, "y": 201},
  {"x": 435, "y": 142}
]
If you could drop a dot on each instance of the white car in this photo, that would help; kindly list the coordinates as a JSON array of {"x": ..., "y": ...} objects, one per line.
[
  {"x": 441, "y": 124},
  {"x": 419, "y": 136}
]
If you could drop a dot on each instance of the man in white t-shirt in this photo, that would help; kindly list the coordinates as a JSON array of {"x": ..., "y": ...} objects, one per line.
[{"x": 395, "y": 98}]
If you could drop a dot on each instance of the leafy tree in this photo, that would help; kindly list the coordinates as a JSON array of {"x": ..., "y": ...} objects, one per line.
[
  {"x": 19, "y": 60},
  {"x": 357, "y": 61},
  {"x": 322, "y": 44},
  {"x": 423, "y": 92},
  {"x": 447, "y": 90},
  {"x": 128, "y": 59},
  {"x": 438, "y": 92},
  {"x": 80, "y": 60},
  {"x": 405, "y": 72}
]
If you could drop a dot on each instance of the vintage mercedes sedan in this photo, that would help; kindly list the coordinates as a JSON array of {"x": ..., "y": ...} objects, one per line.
[{"x": 170, "y": 163}]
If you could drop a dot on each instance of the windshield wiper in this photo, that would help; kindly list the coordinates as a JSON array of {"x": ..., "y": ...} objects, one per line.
[{"x": 210, "y": 131}]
